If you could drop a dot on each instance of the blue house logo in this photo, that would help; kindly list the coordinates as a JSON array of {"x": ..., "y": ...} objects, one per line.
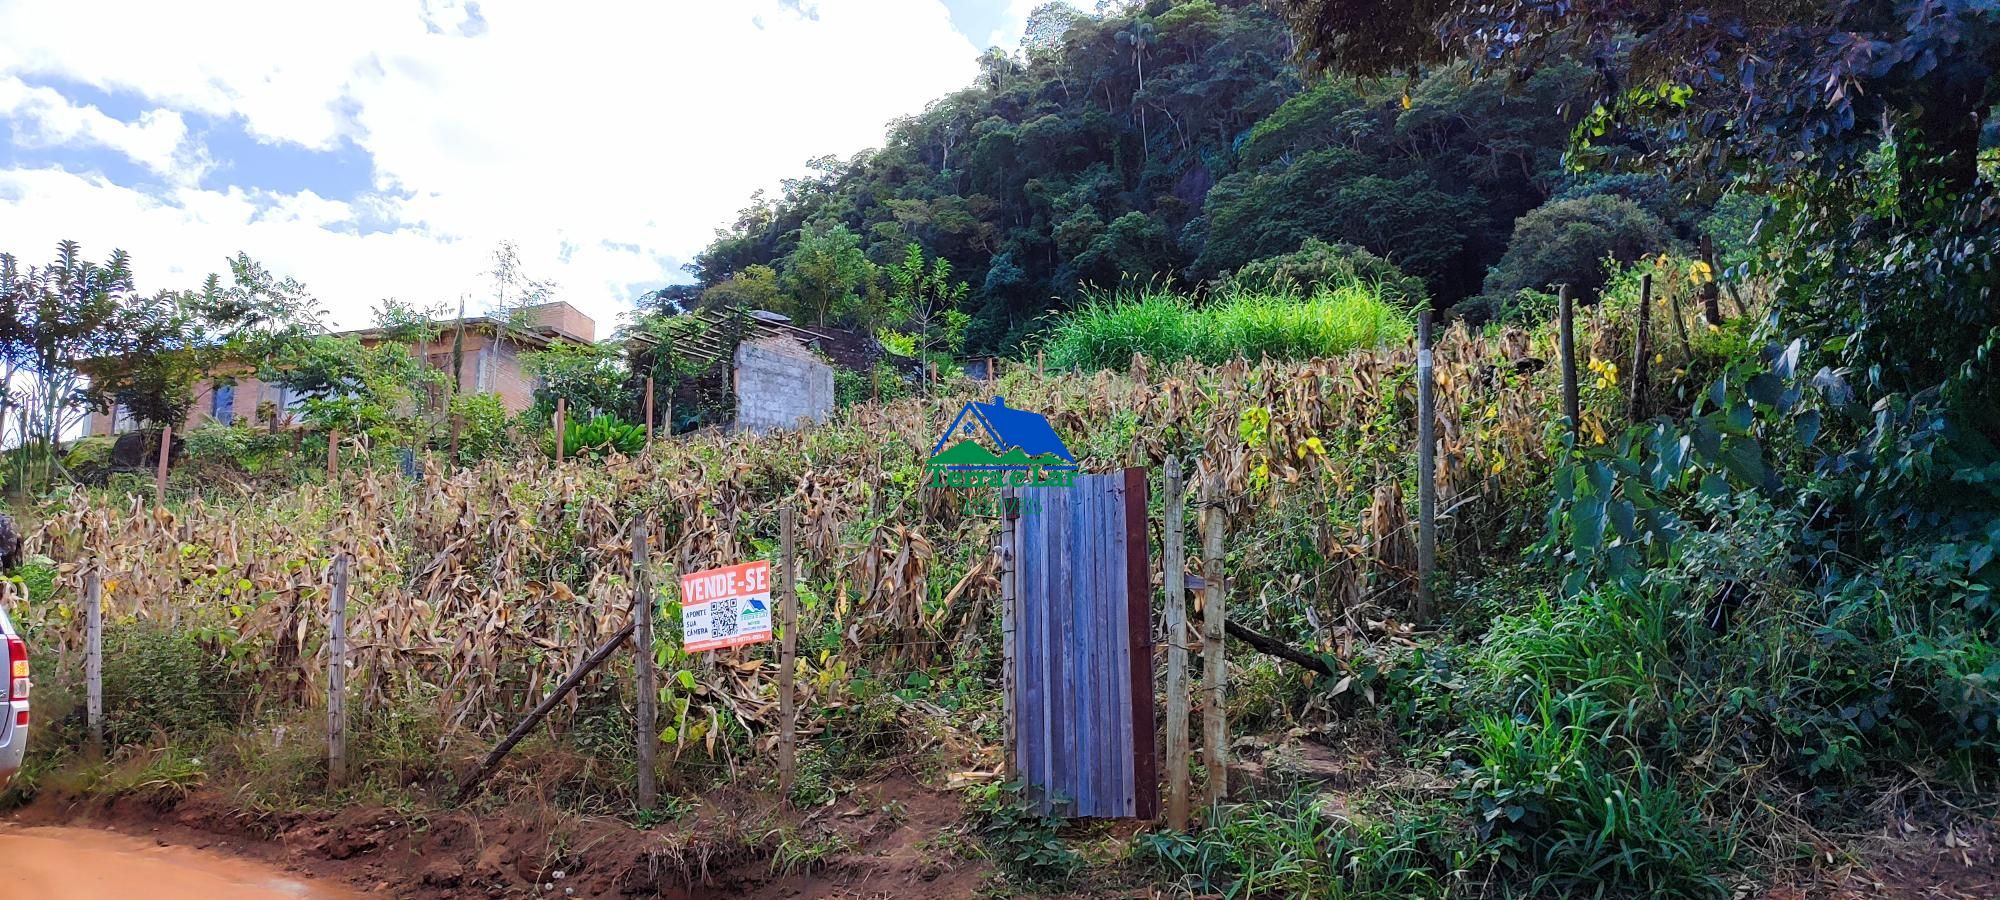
[{"x": 995, "y": 445}]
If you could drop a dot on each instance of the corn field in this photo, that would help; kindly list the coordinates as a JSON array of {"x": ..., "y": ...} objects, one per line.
[{"x": 474, "y": 591}]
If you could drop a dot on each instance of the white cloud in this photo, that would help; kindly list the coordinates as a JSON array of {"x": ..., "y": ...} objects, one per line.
[
  {"x": 602, "y": 126},
  {"x": 44, "y": 118}
]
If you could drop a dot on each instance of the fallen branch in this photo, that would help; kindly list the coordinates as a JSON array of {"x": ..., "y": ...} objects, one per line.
[
  {"x": 1270, "y": 646},
  {"x": 492, "y": 762}
]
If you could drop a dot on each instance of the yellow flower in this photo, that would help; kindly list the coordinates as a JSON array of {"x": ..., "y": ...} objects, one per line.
[
  {"x": 1699, "y": 272},
  {"x": 1498, "y": 464},
  {"x": 1659, "y": 359}
]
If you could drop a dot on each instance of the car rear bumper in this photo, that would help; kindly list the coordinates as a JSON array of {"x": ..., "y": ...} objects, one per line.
[{"x": 14, "y": 743}]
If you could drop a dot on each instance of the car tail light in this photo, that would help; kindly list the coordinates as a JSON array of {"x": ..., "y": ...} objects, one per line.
[{"x": 17, "y": 679}]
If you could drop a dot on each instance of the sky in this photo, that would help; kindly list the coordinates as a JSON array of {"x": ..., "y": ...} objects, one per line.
[{"x": 383, "y": 148}]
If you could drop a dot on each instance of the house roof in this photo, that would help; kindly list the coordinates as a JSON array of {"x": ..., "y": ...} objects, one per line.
[{"x": 1010, "y": 428}]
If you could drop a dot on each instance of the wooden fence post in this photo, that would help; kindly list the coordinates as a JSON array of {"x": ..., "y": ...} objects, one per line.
[
  {"x": 456, "y": 424},
  {"x": 1004, "y": 548},
  {"x": 649, "y": 410},
  {"x": 93, "y": 665},
  {"x": 1711, "y": 290},
  {"x": 1426, "y": 468},
  {"x": 332, "y": 455},
  {"x": 1642, "y": 352},
  {"x": 1174, "y": 547},
  {"x": 1566, "y": 336},
  {"x": 788, "y": 617},
  {"x": 642, "y": 645},
  {"x": 336, "y": 675},
  {"x": 1215, "y": 725},
  {"x": 561, "y": 407},
  {"x": 160, "y": 478}
]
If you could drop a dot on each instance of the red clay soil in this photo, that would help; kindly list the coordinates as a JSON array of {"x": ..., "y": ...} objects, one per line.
[{"x": 888, "y": 831}]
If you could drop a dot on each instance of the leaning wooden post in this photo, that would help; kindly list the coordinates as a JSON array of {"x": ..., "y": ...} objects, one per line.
[
  {"x": 1642, "y": 352},
  {"x": 336, "y": 675},
  {"x": 332, "y": 455},
  {"x": 642, "y": 667},
  {"x": 788, "y": 637},
  {"x": 1174, "y": 548},
  {"x": 1215, "y": 726},
  {"x": 1566, "y": 336},
  {"x": 521, "y": 729},
  {"x": 93, "y": 665},
  {"x": 649, "y": 410},
  {"x": 562, "y": 406},
  {"x": 1426, "y": 468},
  {"x": 160, "y": 478}
]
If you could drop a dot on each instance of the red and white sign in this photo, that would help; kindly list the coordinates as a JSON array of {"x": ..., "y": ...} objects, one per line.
[{"x": 726, "y": 607}]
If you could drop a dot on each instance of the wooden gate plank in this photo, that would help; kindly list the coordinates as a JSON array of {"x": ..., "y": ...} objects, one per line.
[{"x": 1139, "y": 640}]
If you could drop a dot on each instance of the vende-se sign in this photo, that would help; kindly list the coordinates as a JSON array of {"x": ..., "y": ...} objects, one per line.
[{"x": 726, "y": 607}]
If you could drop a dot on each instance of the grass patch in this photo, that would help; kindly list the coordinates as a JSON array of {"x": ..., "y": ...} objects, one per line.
[{"x": 1169, "y": 327}]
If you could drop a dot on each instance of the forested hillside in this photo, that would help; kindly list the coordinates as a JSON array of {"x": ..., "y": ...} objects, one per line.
[{"x": 1173, "y": 141}]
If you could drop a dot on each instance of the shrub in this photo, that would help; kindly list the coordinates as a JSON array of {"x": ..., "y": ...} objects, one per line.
[
  {"x": 1568, "y": 241},
  {"x": 482, "y": 426},
  {"x": 1022, "y": 841},
  {"x": 90, "y": 459},
  {"x": 1165, "y": 326},
  {"x": 1322, "y": 266},
  {"x": 1294, "y": 847},
  {"x": 160, "y": 680}
]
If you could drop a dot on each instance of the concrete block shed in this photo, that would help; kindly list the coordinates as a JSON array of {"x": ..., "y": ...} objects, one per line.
[{"x": 780, "y": 383}]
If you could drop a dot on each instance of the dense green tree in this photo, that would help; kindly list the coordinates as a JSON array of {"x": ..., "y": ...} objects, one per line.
[
  {"x": 1319, "y": 264},
  {"x": 54, "y": 319},
  {"x": 827, "y": 271},
  {"x": 1570, "y": 242},
  {"x": 1146, "y": 142}
]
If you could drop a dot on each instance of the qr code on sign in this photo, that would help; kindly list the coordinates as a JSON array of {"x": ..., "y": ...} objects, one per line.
[{"x": 722, "y": 616}]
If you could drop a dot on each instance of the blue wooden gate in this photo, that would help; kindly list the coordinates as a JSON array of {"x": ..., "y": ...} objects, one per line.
[{"x": 1079, "y": 659}]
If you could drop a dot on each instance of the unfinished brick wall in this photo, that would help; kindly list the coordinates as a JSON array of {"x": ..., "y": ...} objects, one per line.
[{"x": 779, "y": 383}]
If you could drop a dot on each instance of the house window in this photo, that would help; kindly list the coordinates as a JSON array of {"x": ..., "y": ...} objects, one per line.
[
  {"x": 121, "y": 419},
  {"x": 224, "y": 405}
]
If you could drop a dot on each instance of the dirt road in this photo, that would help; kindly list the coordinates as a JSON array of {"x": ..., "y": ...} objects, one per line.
[{"x": 82, "y": 864}]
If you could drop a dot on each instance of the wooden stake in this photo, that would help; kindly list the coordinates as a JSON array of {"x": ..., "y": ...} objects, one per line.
[
  {"x": 1004, "y": 548},
  {"x": 562, "y": 406},
  {"x": 1214, "y": 669},
  {"x": 332, "y": 455},
  {"x": 336, "y": 676},
  {"x": 649, "y": 410},
  {"x": 788, "y": 617},
  {"x": 1711, "y": 290},
  {"x": 1566, "y": 310},
  {"x": 1174, "y": 546},
  {"x": 642, "y": 645},
  {"x": 456, "y": 424},
  {"x": 1642, "y": 353},
  {"x": 160, "y": 478},
  {"x": 1426, "y": 468},
  {"x": 93, "y": 665}
]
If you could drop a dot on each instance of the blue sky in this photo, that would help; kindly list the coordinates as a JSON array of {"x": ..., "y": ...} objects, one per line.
[{"x": 383, "y": 148}]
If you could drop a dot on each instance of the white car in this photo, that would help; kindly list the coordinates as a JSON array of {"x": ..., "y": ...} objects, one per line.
[{"x": 13, "y": 699}]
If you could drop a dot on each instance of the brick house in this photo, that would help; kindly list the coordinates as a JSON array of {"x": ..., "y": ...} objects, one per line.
[{"x": 492, "y": 363}]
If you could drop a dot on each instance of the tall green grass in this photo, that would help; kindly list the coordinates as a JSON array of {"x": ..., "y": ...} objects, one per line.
[{"x": 1106, "y": 331}]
